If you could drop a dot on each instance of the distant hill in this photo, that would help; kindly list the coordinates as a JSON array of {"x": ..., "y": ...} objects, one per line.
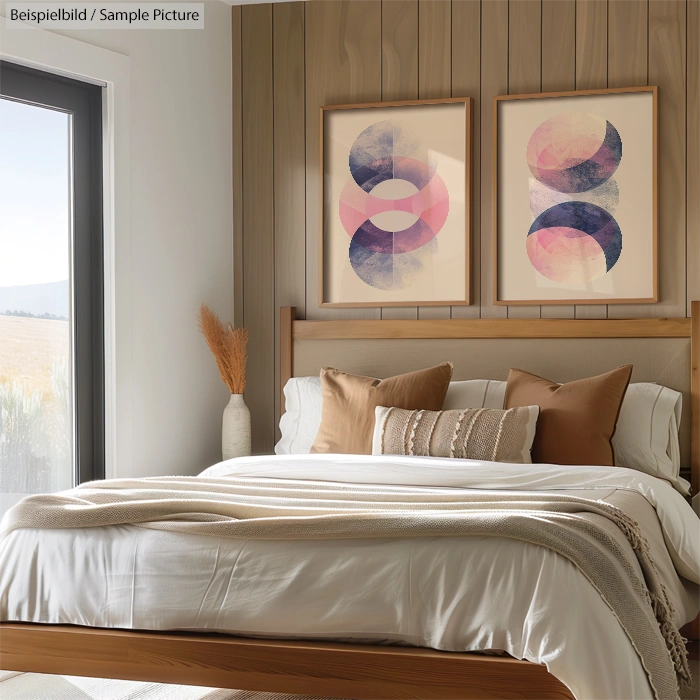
[{"x": 37, "y": 299}]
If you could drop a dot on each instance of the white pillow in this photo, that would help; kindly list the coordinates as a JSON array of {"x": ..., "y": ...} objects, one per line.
[
  {"x": 302, "y": 417},
  {"x": 646, "y": 437}
]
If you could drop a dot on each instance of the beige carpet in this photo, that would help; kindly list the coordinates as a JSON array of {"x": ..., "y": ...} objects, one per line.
[{"x": 36, "y": 686}]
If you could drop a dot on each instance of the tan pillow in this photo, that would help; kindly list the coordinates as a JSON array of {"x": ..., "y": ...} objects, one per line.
[
  {"x": 577, "y": 420},
  {"x": 490, "y": 434},
  {"x": 349, "y": 400}
]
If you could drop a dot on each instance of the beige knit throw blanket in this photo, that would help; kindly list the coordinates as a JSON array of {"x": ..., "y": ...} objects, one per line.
[{"x": 589, "y": 533}]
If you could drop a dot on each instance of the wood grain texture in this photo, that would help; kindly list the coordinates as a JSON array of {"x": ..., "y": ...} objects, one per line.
[
  {"x": 289, "y": 162},
  {"x": 286, "y": 352},
  {"x": 558, "y": 73},
  {"x": 627, "y": 43},
  {"x": 343, "y": 66},
  {"x": 591, "y": 72},
  {"x": 628, "y": 24},
  {"x": 400, "y": 50},
  {"x": 627, "y": 65},
  {"x": 494, "y": 81},
  {"x": 434, "y": 76},
  {"x": 591, "y": 44},
  {"x": 494, "y": 328},
  {"x": 588, "y": 311},
  {"x": 434, "y": 49},
  {"x": 692, "y": 146},
  {"x": 667, "y": 56},
  {"x": 258, "y": 222},
  {"x": 524, "y": 76},
  {"x": 695, "y": 397},
  {"x": 311, "y": 668},
  {"x": 237, "y": 125},
  {"x": 400, "y": 78},
  {"x": 524, "y": 47},
  {"x": 558, "y": 45},
  {"x": 691, "y": 632},
  {"x": 466, "y": 81}
]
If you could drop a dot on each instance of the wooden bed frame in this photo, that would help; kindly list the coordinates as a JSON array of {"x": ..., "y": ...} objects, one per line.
[{"x": 332, "y": 669}]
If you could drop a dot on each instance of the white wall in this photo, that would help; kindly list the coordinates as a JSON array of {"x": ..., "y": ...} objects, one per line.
[{"x": 180, "y": 249}]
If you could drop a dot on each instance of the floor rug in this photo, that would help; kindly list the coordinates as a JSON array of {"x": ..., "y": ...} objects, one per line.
[{"x": 38, "y": 686}]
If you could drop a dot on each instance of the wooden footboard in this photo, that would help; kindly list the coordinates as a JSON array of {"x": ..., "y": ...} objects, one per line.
[
  {"x": 311, "y": 668},
  {"x": 692, "y": 630}
]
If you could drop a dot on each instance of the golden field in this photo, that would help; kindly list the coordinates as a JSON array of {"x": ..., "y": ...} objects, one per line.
[{"x": 27, "y": 349}]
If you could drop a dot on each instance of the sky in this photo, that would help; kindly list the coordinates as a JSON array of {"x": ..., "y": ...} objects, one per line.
[{"x": 34, "y": 194}]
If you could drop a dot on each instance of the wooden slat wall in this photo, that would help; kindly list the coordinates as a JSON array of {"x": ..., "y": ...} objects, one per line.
[
  {"x": 667, "y": 69},
  {"x": 294, "y": 57},
  {"x": 591, "y": 72},
  {"x": 289, "y": 149},
  {"x": 494, "y": 81},
  {"x": 434, "y": 75},
  {"x": 343, "y": 65},
  {"x": 466, "y": 80},
  {"x": 399, "y": 77},
  {"x": 558, "y": 73},
  {"x": 524, "y": 76},
  {"x": 692, "y": 185},
  {"x": 237, "y": 126},
  {"x": 258, "y": 216}
]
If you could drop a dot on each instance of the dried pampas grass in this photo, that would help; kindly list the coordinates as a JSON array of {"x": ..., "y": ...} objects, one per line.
[{"x": 229, "y": 347}]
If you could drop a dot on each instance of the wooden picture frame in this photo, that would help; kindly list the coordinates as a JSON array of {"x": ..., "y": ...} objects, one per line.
[
  {"x": 649, "y": 251},
  {"x": 451, "y": 227}
]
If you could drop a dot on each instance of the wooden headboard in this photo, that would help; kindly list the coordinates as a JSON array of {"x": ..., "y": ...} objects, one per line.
[{"x": 665, "y": 350}]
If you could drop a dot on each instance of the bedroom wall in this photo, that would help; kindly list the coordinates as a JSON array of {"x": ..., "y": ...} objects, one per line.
[
  {"x": 180, "y": 249},
  {"x": 289, "y": 59}
]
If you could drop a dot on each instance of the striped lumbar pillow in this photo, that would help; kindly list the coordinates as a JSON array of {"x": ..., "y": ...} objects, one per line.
[{"x": 488, "y": 434}]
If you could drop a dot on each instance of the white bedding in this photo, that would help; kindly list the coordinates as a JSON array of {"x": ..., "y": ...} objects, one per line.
[{"x": 447, "y": 593}]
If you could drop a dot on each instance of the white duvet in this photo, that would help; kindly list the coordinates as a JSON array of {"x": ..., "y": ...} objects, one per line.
[{"x": 451, "y": 593}]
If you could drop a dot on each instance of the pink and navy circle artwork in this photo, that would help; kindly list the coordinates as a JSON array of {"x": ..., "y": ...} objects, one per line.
[
  {"x": 393, "y": 206},
  {"x": 573, "y": 195}
]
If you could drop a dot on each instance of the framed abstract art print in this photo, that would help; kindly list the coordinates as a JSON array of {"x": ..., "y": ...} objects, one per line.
[
  {"x": 395, "y": 203},
  {"x": 576, "y": 197}
]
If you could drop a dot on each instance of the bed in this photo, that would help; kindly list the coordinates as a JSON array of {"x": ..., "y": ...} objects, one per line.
[{"x": 663, "y": 350}]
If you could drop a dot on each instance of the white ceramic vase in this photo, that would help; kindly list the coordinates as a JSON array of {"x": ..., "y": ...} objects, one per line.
[{"x": 235, "y": 433}]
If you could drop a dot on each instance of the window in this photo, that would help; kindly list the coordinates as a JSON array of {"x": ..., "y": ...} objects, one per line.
[{"x": 51, "y": 283}]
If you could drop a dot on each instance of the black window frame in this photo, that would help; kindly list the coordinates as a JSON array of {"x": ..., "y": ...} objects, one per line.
[{"x": 84, "y": 102}]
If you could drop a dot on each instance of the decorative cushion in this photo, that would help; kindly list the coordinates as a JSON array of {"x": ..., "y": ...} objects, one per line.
[
  {"x": 349, "y": 400},
  {"x": 301, "y": 419},
  {"x": 490, "y": 434},
  {"x": 577, "y": 419}
]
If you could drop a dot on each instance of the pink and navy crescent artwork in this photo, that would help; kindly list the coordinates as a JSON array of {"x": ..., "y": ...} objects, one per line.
[
  {"x": 573, "y": 195},
  {"x": 393, "y": 205}
]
